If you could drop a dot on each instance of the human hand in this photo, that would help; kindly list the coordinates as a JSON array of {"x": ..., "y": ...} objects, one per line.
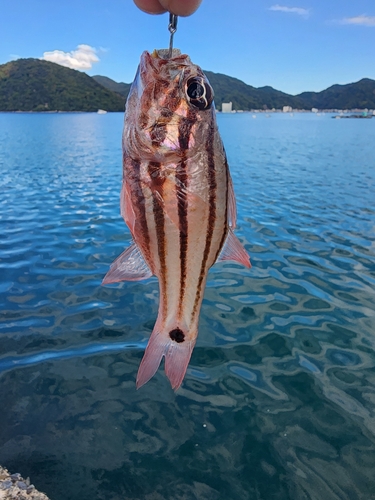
[{"x": 177, "y": 7}]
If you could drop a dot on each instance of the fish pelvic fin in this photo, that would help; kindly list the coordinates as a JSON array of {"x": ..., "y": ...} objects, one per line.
[
  {"x": 234, "y": 250},
  {"x": 177, "y": 355},
  {"x": 129, "y": 266}
]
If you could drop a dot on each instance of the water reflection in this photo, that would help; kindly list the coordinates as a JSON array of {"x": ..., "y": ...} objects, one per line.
[{"x": 279, "y": 397}]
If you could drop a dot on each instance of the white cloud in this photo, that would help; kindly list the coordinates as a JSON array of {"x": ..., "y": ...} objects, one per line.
[
  {"x": 293, "y": 10},
  {"x": 13, "y": 57},
  {"x": 82, "y": 58},
  {"x": 362, "y": 20}
]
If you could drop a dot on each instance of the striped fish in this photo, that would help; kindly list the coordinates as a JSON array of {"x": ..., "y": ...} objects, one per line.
[{"x": 177, "y": 200}]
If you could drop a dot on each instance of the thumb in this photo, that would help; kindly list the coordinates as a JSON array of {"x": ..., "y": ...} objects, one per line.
[{"x": 180, "y": 7}]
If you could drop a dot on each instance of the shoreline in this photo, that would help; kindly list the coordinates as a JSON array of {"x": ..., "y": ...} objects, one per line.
[
  {"x": 369, "y": 112},
  {"x": 15, "y": 486}
]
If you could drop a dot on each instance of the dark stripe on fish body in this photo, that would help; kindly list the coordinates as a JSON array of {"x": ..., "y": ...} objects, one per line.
[
  {"x": 184, "y": 132},
  {"x": 151, "y": 95},
  {"x": 156, "y": 177},
  {"x": 171, "y": 103},
  {"x": 182, "y": 206},
  {"x": 184, "y": 129},
  {"x": 158, "y": 131},
  {"x": 212, "y": 185},
  {"x": 135, "y": 179},
  {"x": 157, "y": 181}
]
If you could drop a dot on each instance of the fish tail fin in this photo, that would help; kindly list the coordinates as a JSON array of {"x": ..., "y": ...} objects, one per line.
[
  {"x": 156, "y": 348},
  {"x": 176, "y": 362},
  {"x": 177, "y": 356}
]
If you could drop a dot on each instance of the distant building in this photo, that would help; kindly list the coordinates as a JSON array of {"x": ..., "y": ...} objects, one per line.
[
  {"x": 314, "y": 110},
  {"x": 226, "y": 107},
  {"x": 287, "y": 109}
]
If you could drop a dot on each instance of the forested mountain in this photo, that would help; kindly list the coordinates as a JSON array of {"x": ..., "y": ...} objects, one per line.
[
  {"x": 35, "y": 85},
  {"x": 354, "y": 95},
  {"x": 245, "y": 96},
  {"x": 227, "y": 88},
  {"x": 120, "y": 88}
]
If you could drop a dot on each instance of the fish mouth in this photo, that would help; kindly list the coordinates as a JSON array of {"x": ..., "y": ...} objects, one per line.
[
  {"x": 159, "y": 64},
  {"x": 165, "y": 53}
]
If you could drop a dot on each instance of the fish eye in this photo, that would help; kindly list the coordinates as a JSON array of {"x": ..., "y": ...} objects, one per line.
[{"x": 199, "y": 93}]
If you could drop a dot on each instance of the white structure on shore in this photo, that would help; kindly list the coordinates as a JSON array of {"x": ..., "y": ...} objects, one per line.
[
  {"x": 287, "y": 109},
  {"x": 226, "y": 107}
]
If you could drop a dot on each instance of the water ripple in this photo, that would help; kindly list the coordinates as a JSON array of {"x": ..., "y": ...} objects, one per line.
[{"x": 279, "y": 397}]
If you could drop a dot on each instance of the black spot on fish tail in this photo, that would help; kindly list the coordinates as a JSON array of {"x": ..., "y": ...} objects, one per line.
[{"x": 177, "y": 335}]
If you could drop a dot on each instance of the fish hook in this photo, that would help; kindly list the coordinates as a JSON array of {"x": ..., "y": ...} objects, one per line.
[{"x": 172, "y": 27}]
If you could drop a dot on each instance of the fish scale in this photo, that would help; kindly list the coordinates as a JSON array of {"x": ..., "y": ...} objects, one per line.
[{"x": 177, "y": 200}]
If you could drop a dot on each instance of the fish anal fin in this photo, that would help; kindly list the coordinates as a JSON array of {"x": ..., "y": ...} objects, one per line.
[
  {"x": 233, "y": 250},
  {"x": 129, "y": 266}
]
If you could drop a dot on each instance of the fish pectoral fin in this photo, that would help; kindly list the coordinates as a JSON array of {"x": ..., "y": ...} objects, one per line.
[
  {"x": 234, "y": 250},
  {"x": 129, "y": 266},
  {"x": 177, "y": 357}
]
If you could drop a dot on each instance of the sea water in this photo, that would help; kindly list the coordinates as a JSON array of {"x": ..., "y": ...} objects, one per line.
[{"x": 279, "y": 397}]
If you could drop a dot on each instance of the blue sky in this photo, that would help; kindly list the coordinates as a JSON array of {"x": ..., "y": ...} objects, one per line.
[{"x": 293, "y": 46}]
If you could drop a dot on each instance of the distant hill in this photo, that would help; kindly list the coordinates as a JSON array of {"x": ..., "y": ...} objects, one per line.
[
  {"x": 120, "y": 88},
  {"x": 354, "y": 95},
  {"x": 227, "y": 89},
  {"x": 35, "y": 85},
  {"x": 246, "y": 97}
]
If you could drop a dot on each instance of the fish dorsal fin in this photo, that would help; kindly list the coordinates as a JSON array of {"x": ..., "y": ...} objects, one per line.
[
  {"x": 233, "y": 250},
  {"x": 232, "y": 209},
  {"x": 129, "y": 266}
]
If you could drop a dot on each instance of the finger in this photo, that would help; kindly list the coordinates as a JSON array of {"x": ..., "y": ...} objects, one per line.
[
  {"x": 180, "y": 7},
  {"x": 150, "y": 6}
]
